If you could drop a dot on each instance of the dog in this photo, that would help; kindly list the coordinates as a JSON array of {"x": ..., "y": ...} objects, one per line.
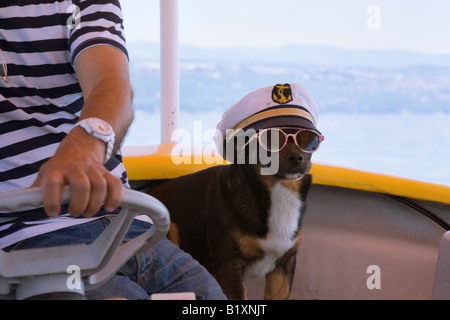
[{"x": 236, "y": 221}]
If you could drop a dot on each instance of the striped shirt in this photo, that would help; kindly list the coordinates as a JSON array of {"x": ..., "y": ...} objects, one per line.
[{"x": 41, "y": 102}]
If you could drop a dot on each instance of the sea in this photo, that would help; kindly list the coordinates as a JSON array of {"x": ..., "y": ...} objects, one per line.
[{"x": 386, "y": 112}]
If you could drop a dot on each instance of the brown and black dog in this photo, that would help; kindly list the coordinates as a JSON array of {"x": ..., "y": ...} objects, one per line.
[{"x": 235, "y": 221}]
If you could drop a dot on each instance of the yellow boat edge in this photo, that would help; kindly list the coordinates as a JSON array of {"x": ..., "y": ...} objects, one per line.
[{"x": 168, "y": 161}]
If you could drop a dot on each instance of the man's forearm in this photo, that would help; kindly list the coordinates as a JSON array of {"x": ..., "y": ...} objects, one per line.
[
  {"x": 104, "y": 77},
  {"x": 111, "y": 101}
]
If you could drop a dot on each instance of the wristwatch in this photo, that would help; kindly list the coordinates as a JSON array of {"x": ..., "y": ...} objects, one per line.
[{"x": 99, "y": 129}]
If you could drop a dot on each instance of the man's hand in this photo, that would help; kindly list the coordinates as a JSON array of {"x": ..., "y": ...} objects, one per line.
[{"x": 90, "y": 183}]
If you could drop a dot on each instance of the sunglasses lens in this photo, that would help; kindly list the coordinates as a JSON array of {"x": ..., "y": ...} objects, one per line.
[
  {"x": 272, "y": 139},
  {"x": 308, "y": 141}
]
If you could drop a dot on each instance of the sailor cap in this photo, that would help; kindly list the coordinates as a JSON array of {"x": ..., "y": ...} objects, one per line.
[{"x": 282, "y": 105}]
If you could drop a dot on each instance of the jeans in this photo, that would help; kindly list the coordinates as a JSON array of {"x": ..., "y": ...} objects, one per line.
[{"x": 163, "y": 268}]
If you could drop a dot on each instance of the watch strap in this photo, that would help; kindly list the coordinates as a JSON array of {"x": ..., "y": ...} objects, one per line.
[{"x": 109, "y": 139}]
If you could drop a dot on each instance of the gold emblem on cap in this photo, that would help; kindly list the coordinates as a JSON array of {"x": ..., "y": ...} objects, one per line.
[{"x": 282, "y": 93}]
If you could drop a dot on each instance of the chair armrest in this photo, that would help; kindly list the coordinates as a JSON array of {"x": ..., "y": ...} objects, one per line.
[{"x": 97, "y": 261}]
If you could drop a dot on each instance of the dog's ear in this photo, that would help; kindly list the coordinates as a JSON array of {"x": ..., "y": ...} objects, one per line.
[
  {"x": 240, "y": 149},
  {"x": 237, "y": 154},
  {"x": 229, "y": 151}
]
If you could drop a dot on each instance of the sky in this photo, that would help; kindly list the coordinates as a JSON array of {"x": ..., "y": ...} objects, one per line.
[{"x": 412, "y": 25}]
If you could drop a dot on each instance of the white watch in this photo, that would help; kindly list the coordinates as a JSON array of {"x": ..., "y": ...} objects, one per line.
[{"x": 99, "y": 129}]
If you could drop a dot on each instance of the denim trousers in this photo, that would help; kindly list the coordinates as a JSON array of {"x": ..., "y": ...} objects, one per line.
[{"x": 163, "y": 268}]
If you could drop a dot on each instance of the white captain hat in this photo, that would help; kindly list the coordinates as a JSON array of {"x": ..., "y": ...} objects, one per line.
[{"x": 282, "y": 105}]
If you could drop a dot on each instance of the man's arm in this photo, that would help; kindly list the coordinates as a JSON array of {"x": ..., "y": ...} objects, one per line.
[{"x": 103, "y": 75}]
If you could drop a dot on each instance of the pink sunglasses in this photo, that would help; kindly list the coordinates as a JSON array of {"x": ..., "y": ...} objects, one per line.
[{"x": 275, "y": 139}]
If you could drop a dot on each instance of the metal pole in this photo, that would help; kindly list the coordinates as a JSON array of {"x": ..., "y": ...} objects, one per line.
[{"x": 170, "y": 75}]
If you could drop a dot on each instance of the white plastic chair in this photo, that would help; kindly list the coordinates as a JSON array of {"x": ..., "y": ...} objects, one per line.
[
  {"x": 43, "y": 272},
  {"x": 441, "y": 288}
]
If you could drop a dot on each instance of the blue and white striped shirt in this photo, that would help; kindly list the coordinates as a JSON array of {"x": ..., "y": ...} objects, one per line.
[{"x": 41, "y": 102}]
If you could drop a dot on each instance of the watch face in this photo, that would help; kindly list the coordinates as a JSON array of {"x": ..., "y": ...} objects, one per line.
[{"x": 99, "y": 126}]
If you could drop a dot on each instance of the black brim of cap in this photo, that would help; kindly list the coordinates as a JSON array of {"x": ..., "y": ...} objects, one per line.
[{"x": 283, "y": 121}]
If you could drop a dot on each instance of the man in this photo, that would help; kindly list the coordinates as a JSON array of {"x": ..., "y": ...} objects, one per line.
[{"x": 65, "y": 73}]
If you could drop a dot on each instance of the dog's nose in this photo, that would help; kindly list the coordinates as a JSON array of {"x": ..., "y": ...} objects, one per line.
[{"x": 295, "y": 158}]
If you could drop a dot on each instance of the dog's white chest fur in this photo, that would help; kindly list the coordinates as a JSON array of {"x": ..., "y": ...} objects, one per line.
[{"x": 282, "y": 223}]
